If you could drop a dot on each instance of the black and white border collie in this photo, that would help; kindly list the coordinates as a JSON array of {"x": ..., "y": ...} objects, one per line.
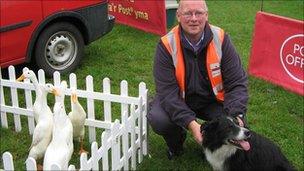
[{"x": 227, "y": 146}]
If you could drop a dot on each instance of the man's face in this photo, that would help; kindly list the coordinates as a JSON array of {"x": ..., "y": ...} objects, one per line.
[{"x": 192, "y": 15}]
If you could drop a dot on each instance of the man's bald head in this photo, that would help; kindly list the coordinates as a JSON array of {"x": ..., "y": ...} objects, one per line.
[{"x": 201, "y": 3}]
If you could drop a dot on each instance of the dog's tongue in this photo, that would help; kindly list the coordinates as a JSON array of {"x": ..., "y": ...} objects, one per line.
[{"x": 245, "y": 145}]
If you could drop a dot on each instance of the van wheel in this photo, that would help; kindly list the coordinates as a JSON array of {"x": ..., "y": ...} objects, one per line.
[{"x": 60, "y": 47}]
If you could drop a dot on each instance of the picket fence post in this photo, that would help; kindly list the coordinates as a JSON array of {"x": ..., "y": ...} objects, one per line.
[
  {"x": 107, "y": 104},
  {"x": 105, "y": 136},
  {"x": 8, "y": 161},
  {"x": 14, "y": 98},
  {"x": 133, "y": 146},
  {"x": 115, "y": 144},
  {"x": 71, "y": 168},
  {"x": 124, "y": 119},
  {"x": 41, "y": 76},
  {"x": 57, "y": 81},
  {"x": 143, "y": 92},
  {"x": 29, "y": 105},
  {"x": 90, "y": 107},
  {"x": 31, "y": 164},
  {"x": 126, "y": 137},
  {"x": 73, "y": 83},
  {"x": 95, "y": 156},
  {"x": 125, "y": 140},
  {"x": 2, "y": 100}
]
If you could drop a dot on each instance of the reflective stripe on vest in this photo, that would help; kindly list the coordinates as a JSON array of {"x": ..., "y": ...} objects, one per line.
[{"x": 213, "y": 59}]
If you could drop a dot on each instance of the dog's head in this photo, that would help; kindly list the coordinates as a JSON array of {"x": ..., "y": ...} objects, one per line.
[{"x": 225, "y": 130}]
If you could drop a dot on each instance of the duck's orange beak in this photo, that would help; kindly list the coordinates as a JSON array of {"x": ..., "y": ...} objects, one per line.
[
  {"x": 55, "y": 92},
  {"x": 22, "y": 77},
  {"x": 74, "y": 97}
]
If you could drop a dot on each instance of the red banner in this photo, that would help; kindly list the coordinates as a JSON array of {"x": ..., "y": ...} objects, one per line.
[
  {"x": 149, "y": 16},
  {"x": 277, "y": 53}
]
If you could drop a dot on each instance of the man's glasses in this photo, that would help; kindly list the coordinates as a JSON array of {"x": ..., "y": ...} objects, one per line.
[{"x": 197, "y": 14}]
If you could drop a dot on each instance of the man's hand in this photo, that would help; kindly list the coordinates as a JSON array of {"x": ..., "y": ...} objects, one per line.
[{"x": 195, "y": 129}]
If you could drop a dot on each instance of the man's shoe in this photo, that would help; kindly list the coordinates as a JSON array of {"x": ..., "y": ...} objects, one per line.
[{"x": 171, "y": 154}]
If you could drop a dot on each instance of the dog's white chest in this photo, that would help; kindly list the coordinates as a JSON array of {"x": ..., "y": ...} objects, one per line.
[{"x": 218, "y": 157}]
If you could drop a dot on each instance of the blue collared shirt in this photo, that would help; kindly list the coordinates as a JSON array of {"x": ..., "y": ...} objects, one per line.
[{"x": 197, "y": 45}]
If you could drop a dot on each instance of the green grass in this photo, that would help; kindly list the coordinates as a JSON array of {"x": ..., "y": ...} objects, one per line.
[{"x": 127, "y": 54}]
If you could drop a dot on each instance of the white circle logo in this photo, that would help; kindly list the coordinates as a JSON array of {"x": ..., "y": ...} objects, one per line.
[{"x": 292, "y": 57}]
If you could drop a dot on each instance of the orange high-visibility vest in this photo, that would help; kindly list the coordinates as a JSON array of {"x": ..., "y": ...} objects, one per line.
[{"x": 213, "y": 59}]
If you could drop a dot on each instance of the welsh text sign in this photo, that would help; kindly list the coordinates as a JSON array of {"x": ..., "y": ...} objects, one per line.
[
  {"x": 277, "y": 53},
  {"x": 149, "y": 16}
]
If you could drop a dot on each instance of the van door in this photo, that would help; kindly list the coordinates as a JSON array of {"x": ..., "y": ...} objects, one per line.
[{"x": 17, "y": 24}]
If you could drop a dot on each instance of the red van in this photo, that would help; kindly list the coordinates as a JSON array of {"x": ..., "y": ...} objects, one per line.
[{"x": 50, "y": 33}]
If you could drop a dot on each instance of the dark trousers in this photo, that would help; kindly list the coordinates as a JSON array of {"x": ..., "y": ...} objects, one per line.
[{"x": 173, "y": 134}]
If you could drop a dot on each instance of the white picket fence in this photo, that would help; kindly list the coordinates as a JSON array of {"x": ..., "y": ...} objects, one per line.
[{"x": 125, "y": 139}]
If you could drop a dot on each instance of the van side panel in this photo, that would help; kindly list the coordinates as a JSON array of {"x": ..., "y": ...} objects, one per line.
[
  {"x": 94, "y": 12},
  {"x": 51, "y": 7},
  {"x": 23, "y": 21},
  {"x": 18, "y": 20}
]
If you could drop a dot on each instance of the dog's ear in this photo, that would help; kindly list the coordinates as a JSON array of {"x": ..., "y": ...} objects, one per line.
[
  {"x": 209, "y": 125},
  {"x": 242, "y": 118}
]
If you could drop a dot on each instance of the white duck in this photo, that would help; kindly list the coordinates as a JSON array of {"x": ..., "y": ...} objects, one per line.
[
  {"x": 43, "y": 131},
  {"x": 60, "y": 149},
  {"x": 77, "y": 116},
  {"x": 40, "y": 104}
]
